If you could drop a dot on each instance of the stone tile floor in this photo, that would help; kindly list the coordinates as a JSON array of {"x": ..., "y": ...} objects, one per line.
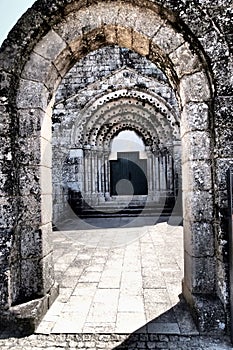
[{"x": 119, "y": 280}]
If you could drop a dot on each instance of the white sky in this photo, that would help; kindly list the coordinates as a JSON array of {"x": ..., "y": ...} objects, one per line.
[
  {"x": 10, "y": 12},
  {"x": 127, "y": 141}
]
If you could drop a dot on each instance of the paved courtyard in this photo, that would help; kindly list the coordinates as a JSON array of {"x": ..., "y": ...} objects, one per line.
[
  {"x": 119, "y": 290},
  {"x": 119, "y": 280}
]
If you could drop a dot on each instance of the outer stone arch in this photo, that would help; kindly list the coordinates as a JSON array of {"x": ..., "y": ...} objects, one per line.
[{"x": 69, "y": 39}]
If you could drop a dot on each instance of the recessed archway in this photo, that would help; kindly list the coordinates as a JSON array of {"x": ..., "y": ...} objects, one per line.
[{"x": 70, "y": 38}]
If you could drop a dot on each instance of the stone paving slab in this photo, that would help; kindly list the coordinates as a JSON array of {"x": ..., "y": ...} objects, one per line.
[{"x": 119, "y": 280}]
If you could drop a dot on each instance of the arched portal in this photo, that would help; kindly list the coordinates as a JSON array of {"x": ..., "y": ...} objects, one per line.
[
  {"x": 30, "y": 77},
  {"x": 92, "y": 131}
]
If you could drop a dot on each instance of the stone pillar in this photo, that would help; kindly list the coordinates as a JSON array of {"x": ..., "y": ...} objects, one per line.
[
  {"x": 177, "y": 167},
  {"x": 103, "y": 173},
  {"x": 107, "y": 174},
  {"x": 170, "y": 180},
  {"x": 149, "y": 172},
  {"x": 100, "y": 175},
  {"x": 199, "y": 283},
  {"x": 156, "y": 172},
  {"x": 162, "y": 174},
  {"x": 94, "y": 172},
  {"x": 85, "y": 171}
]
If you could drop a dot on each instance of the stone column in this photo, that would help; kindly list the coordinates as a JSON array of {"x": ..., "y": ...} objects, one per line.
[
  {"x": 100, "y": 174},
  {"x": 169, "y": 173},
  {"x": 199, "y": 283},
  {"x": 85, "y": 170},
  {"x": 149, "y": 172},
  {"x": 162, "y": 173},
  {"x": 157, "y": 178},
  {"x": 177, "y": 167},
  {"x": 106, "y": 174},
  {"x": 94, "y": 173}
]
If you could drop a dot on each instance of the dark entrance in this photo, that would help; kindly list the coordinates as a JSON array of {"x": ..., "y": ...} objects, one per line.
[{"x": 128, "y": 174}]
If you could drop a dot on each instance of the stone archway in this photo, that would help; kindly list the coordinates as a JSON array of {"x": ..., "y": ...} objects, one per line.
[
  {"x": 31, "y": 82},
  {"x": 98, "y": 122}
]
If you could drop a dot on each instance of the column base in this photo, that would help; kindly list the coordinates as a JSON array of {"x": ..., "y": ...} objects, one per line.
[
  {"x": 23, "y": 319},
  {"x": 207, "y": 311}
]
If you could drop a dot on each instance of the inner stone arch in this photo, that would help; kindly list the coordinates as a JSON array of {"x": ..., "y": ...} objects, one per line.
[{"x": 98, "y": 123}]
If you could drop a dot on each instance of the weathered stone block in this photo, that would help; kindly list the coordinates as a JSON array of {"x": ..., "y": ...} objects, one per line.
[
  {"x": 124, "y": 37},
  {"x": 4, "y": 292},
  {"x": 29, "y": 122},
  {"x": 31, "y": 279},
  {"x": 63, "y": 62},
  {"x": 35, "y": 243},
  {"x": 126, "y": 16},
  {"x": 7, "y": 185},
  {"x": 197, "y": 175},
  {"x": 8, "y": 212},
  {"x": 29, "y": 208},
  {"x": 222, "y": 167},
  {"x": 32, "y": 95},
  {"x": 195, "y": 116},
  {"x": 194, "y": 88},
  {"x": 78, "y": 48},
  {"x": 76, "y": 24},
  {"x": 199, "y": 274},
  {"x": 185, "y": 61},
  {"x": 198, "y": 206},
  {"x": 31, "y": 242},
  {"x": 207, "y": 311},
  {"x": 198, "y": 239},
  {"x": 147, "y": 22},
  {"x": 167, "y": 39},
  {"x": 196, "y": 145},
  {"x": 6, "y": 148},
  {"x": 140, "y": 44},
  {"x": 40, "y": 69},
  {"x": 50, "y": 46},
  {"x": 110, "y": 34},
  {"x": 29, "y": 181},
  {"x": 28, "y": 150}
]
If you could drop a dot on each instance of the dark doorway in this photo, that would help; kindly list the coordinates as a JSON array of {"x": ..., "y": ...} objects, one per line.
[{"x": 128, "y": 174}]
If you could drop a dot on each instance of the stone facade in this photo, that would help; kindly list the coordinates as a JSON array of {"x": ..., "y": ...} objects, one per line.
[{"x": 191, "y": 42}]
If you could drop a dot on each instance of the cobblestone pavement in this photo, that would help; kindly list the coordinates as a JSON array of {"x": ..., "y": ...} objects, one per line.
[{"x": 115, "y": 342}]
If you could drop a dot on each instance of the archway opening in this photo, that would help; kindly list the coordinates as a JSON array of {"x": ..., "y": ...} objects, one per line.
[
  {"x": 193, "y": 86},
  {"x": 128, "y": 165},
  {"x": 125, "y": 248}
]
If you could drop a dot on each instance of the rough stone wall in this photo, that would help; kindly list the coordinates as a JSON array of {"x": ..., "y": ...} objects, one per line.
[
  {"x": 101, "y": 63},
  {"x": 26, "y": 90}
]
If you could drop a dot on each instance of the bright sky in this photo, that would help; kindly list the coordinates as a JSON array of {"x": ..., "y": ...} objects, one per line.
[
  {"x": 10, "y": 12},
  {"x": 127, "y": 141}
]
